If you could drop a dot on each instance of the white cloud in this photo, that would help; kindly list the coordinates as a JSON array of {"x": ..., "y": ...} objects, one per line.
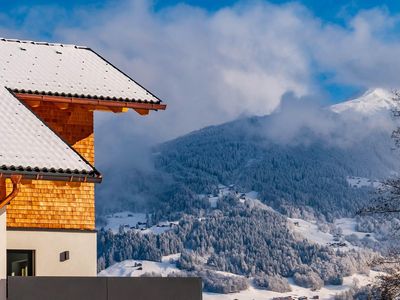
[{"x": 211, "y": 67}]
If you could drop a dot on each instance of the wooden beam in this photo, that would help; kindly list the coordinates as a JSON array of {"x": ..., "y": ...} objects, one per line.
[
  {"x": 62, "y": 106},
  {"x": 119, "y": 109},
  {"x": 34, "y": 103},
  {"x": 97, "y": 103},
  {"x": 101, "y": 108},
  {"x": 142, "y": 112}
]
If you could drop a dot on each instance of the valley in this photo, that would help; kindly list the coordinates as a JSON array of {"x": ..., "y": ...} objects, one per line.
[{"x": 332, "y": 235}]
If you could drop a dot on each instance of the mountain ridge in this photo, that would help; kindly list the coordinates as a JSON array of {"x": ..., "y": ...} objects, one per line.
[
  {"x": 308, "y": 166},
  {"x": 370, "y": 102}
]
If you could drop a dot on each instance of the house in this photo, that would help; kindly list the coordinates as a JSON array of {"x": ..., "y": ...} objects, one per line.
[{"x": 48, "y": 96}]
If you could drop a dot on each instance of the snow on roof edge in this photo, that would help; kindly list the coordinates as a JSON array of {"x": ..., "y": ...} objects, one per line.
[{"x": 42, "y": 43}]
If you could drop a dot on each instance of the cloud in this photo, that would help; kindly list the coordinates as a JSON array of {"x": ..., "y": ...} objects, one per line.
[
  {"x": 305, "y": 120},
  {"x": 211, "y": 67},
  {"x": 363, "y": 53}
]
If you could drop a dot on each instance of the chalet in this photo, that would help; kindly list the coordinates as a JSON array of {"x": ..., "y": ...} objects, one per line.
[{"x": 48, "y": 96}]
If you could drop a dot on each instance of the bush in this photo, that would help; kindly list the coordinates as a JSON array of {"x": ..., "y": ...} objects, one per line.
[
  {"x": 273, "y": 283},
  {"x": 217, "y": 283},
  {"x": 151, "y": 274},
  {"x": 360, "y": 293},
  {"x": 335, "y": 280},
  {"x": 308, "y": 280}
]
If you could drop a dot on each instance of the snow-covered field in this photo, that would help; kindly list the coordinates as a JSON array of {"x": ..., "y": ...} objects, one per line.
[
  {"x": 136, "y": 268},
  {"x": 249, "y": 198},
  {"x": 136, "y": 222},
  {"x": 359, "y": 182},
  {"x": 327, "y": 292},
  {"x": 348, "y": 227},
  {"x": 125, "y": 219},
  {"x": 311, "y": 231}
]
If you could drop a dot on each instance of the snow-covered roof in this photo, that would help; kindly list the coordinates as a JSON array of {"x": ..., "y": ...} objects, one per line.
[
  {"x": 28, "y": 145},
  {"x": 58, "y": 69}
]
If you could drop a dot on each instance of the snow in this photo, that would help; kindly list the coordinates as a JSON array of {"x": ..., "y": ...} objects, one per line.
[
  {"x": 155, "y": 230},
  {"x": 249, "y": 198},
  {"x": 126, "y": 219},
  {"x": 131, "y": 268},
  {"x": 310, "y": 231},
  {"x": 65, "y": 69},
  {"x": 27, "y": 142},
  {"x": 327, "y": 292},
  {"x": 136, "y": 222},
  {"x": 348, "y": 227},
  {"x": 306, "y": 229},
  {"x": 213, "y": 201},
  {"x": 136, "y": 268},
  {"x": 252, "y": 195},
  {"x": 255, "y": 203},
  {"x": 359, "y": 182},
  {"x": 371, "y": 102}
]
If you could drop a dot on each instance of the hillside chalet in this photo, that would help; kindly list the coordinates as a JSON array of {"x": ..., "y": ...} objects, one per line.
[{"x": 48, "y": 96}]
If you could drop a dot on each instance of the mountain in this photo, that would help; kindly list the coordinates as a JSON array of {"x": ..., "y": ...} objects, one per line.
[
  {"x": 299, "y": 160},
  {"x": 260, "y": 201},
  {"x": 371, "y": 102},
  {"x": 310, "y": 169}
]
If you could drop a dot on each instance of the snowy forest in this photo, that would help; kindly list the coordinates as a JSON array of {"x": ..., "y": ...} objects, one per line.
[{"x": 312, "y": 177}]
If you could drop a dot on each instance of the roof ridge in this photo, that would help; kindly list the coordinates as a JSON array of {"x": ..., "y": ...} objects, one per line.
[{"x": 42, "y": 43}]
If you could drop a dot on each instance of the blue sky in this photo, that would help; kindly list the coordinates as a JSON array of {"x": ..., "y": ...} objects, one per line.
[{"x": 329, "y": 11}]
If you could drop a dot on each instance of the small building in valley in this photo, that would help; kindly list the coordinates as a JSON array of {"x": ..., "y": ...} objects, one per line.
[{"x": 48, "y": 96}]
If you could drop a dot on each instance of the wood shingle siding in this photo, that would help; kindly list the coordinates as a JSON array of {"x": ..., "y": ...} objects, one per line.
[
  {"x": 74, "y": 125},
  {"x": 58, "y": 205},
  {"x": 47, "y": 204}
]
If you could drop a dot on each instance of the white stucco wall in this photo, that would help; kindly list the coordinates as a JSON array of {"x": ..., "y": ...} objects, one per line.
[
  {"x": 3, "y": 244},
  {"x": 49, "y": 244},
  {"x": 3, "y": 253}
]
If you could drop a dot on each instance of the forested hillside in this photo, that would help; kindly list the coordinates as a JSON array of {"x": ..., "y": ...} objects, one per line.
[
  {"x": 318, "y": 170},
  {"x": 246, "y": 241},
  {"x": 312, "y": 174},
  {"x": 305, "y": 165}
]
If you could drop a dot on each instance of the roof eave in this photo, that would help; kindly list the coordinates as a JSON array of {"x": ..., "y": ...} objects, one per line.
[
  {"x": 95, "y": 101},
  {"x": 26, "y": 175}
]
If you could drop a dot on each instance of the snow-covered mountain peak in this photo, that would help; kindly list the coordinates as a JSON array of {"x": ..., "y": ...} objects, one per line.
[{"x": 372, "y": 101}]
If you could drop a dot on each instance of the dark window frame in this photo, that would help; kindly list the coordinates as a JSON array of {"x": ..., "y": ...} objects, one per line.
[{"x": 31, "y": 260}]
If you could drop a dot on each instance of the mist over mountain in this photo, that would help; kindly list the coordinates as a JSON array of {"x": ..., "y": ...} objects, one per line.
[
  {"x": 261, "y": 199},
  {"x": 299, "y": 156}
]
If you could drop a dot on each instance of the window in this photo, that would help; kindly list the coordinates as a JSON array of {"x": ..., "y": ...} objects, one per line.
[{"x": 20, "y": 263}]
